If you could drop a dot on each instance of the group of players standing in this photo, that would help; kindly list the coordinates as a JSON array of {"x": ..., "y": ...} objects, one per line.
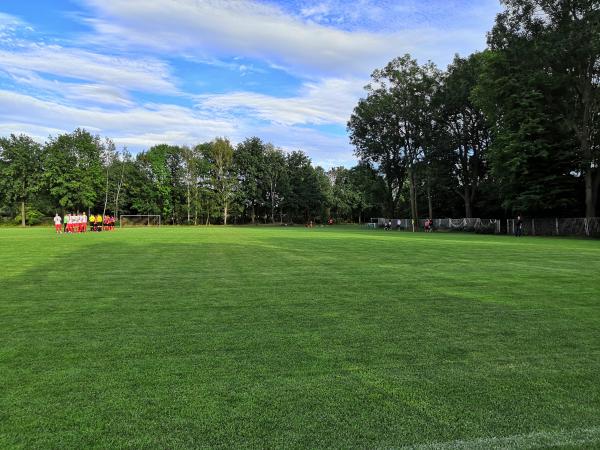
[{"x": 78, "y": 223}]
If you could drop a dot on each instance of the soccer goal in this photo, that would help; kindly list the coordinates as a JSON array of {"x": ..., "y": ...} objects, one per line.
[{"x": 139, "y": 220}]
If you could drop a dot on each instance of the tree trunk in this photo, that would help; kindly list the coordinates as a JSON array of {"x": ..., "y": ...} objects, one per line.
[
  {"x": 118, "y": 192},
  {"x": 272, "y": 205},
  {"x": 468, "y": 210},
  {"x": 225, "y": 213},
  {"x": 23, "y": 214},
  {"x": 189, "y": 204},
  {"x": 596, "y": 189},
  {"x": 413, "y": 195},
  {"x": 590, "y": 201},
  {"x": 584, "y": 135},
  {"x": 105, "y": 200},
  {"x": 429, "y": 201}
]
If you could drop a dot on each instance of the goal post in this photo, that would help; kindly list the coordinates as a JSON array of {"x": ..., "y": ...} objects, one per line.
[{"x": 143, "y": 220}]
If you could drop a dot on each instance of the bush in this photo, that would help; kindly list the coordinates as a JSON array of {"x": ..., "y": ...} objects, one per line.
[{"x": 32, "y": 217}]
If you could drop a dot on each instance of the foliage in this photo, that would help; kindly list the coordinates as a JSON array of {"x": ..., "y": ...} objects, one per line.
[
  {"x": 73, "y": 169},
  {"x": 392, "y": 127},
  {"x": 20, "y": 170},
  {"x": 32, "y": 217}
]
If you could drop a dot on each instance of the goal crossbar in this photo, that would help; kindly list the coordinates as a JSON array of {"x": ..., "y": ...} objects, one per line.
[{"x": 148, "y": 217}]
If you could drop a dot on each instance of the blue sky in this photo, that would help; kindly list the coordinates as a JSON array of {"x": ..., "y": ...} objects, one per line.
[{"x": 144, "y": 72}]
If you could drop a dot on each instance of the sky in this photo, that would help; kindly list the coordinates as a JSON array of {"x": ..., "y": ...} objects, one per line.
[{"x": 145, "y": 72}]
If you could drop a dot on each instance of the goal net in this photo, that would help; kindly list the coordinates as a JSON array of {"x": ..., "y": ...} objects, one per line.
[{"x": 139, "y": 220}]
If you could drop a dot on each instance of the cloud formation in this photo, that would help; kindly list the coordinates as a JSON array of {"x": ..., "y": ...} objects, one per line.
[
  {"x": 330, "y": 101},
  {"x": 168, "y": 123},
  {"x": 147, "y": 75},
  {"x": 259, "y": 30},
  {"x": 145, "y": 72}
]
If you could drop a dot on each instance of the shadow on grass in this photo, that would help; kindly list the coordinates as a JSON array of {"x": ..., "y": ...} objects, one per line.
[{"x": 254, "y": 344}]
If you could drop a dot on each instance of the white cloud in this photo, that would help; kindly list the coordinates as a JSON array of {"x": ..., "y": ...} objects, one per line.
[
  {"x": 75, "y": 92},
  {"x": 325, "y": 150},
  {"x": 143, "y": 126},
  {"x": 8, "y": 25},
  {"x": 252, "y": 29},
  {"x": 7, "y": 19},
  {"x": 147, "y": 75},
  {"x": 258, "y": 30},
  {"x": 169, "y": 123},
  {"x": 329, "y": 101},
  {"x": 330, "y": 46}
]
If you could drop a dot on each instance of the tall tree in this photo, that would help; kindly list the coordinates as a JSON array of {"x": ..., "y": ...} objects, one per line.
[
  {"x": 20, "y": 170},
  {"x": 391, "y": 126},
  {"x": 274, "y": 176},
  {"x": 549, "y": 51},
  {"x": 223, "y": 179},
  {"x": 305, "y": 197},
  {"x": 371, "y": 187},
  {"x": 162, "y": 165},
  {"x": 463, "y": 126},
  {"x": 73, "y": 169},
  {"x": 346, "y": 197},
  {"x": 249, "y": 162},
  {"x": 196, "y": 171}
]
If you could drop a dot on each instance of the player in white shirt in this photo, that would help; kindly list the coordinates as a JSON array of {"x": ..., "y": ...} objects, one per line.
[{"x": 57, "y": 224}]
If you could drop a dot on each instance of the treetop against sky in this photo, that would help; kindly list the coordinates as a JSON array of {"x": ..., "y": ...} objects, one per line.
[{"x": 151, "y": 71}]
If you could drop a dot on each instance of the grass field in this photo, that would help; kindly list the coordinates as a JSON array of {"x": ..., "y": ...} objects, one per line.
[{"x": 288, "y": 337}]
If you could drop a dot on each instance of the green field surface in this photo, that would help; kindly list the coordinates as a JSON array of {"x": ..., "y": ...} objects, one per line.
[{"x": 298, "y": 338}]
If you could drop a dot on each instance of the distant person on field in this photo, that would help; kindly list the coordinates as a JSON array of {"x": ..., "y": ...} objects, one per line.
[
  {"x": 65, "y": 223},
  {"x": 98, "y": 222},
  {"x": 519, "y": 227},
  {"x": 57, "y": 224}
]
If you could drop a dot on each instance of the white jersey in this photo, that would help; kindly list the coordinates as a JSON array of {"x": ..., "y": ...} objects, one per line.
[{"x": 57, "y": 220}]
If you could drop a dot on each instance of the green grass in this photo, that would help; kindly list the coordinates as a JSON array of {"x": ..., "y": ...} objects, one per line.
[{"x": 289, "y": 337}]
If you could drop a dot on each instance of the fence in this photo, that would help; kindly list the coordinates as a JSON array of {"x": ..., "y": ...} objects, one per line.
[
  {"x": 490, "y": 226},
  {"x": 589, "y": 227}
]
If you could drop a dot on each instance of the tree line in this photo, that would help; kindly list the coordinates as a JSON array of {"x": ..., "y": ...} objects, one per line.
[
  {"x": 514, "y": 129},
  {"x": 213, "y": 182}
]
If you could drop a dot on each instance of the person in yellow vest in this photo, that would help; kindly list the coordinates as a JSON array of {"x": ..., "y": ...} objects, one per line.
[
  {"x": 92, "y": 222},
  {"x": 99, "y": 222}
]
